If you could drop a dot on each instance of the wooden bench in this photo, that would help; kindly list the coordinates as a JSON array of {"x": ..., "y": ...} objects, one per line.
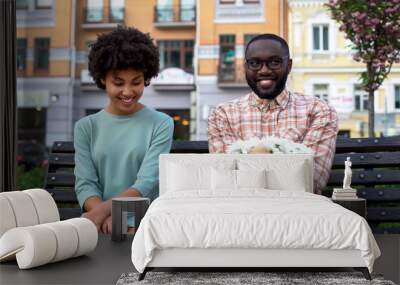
[{"x": 375, "y": 164}]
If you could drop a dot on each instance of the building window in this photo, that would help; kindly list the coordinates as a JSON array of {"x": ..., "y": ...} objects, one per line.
[
  {"x": 321, "y": 91},
  {"x": 226, "y": 58},
  {"x": 44, "y": 4},
  {"x": 31, "y": 151},
  {"x": 227, "y": 1},
  {"x": 397, "y": 96},
  {"x": 176, "y": 53},
  {"x": 188, "y": 10},
  {"x": 320, "y": 37},
  {"x": 22, "y": 4},
  {"x": 181, "y": 119},
  {"x": 42, "y": 53},
  {"x": 32, "y": 124},
  {"x": 164, "y": 11},
  {"x": 360, "y": 99},
  {"x": 227, "y": 47},
  {"x": 117, "y": 12},
  {"x": 21, "y": 54},
  {"x": 94, "y": 11},
  {"x": 247, "y": 39},
  {"x": 251, "y": 1}
]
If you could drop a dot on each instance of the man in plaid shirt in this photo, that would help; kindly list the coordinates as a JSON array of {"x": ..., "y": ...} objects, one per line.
[{"x": 272, "y": 110}]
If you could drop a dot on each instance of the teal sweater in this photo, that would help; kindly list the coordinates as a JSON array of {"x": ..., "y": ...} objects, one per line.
[{"x": 114, "y": 153}]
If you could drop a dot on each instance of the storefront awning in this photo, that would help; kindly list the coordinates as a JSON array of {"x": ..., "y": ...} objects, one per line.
[
  {"x": 33, "y": 98},
  {"x": 173, "y": 79}
]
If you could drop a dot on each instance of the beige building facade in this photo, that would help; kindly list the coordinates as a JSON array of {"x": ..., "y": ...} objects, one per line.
[
  {"x": 201, "y": 44},
  {"x": 44, "y": 79},
  {"x": 171, "y": 23},
  {"x": 223, "y": 30},
  {"x": 323, "y": 67}
]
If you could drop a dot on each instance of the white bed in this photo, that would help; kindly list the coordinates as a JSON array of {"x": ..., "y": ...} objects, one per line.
[{"x": 201, "y": 219}]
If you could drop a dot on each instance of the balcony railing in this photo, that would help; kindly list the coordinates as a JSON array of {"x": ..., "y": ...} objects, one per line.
[
  {"x": 231, "y": 75},
  {"x": 175, "y": 15},
  {"x": 99, "y": 15}
]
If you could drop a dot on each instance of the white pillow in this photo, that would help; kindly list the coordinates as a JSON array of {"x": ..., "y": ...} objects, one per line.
[
  {"x": 223, "y": 179},
  {"x": 226, "y": 179},
  {"x": 291, "y": 180},
  {"x": 193, "y": 172},
  {"x": 251, "y": 178},
  {"x": 284, "y": 172},
  {"x": 187, "y": 177}
]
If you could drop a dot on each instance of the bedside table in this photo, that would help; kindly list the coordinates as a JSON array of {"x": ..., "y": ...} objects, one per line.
[{"x": 358, "y": 205}]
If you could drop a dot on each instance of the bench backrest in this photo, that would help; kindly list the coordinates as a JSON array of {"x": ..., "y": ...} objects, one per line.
[{"x": 375, "y": 165}]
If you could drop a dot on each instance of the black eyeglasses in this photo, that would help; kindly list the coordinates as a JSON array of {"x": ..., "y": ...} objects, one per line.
[{"x": 272, "y": 63}]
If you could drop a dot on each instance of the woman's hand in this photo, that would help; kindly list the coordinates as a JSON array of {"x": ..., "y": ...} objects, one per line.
[
  {"x": 98, "y": 211},
  {"x": 98, "y": 215},
  {"x": 106, "y": 227}
]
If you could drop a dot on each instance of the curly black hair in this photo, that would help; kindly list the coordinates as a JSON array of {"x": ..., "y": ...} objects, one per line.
[{"x": 121, "y": 49}]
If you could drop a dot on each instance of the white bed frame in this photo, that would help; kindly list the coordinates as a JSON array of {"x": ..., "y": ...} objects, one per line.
[
  {"x": 256, "y": 258},
  {"x": 249, "y": 258},
  {"x": 234, "y": 257}
]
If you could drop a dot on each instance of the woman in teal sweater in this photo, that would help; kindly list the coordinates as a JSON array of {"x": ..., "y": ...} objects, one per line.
[{"x": 117, "y": 149}]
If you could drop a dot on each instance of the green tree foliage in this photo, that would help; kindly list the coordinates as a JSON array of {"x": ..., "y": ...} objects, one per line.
[{"x": 33, "y": 178}]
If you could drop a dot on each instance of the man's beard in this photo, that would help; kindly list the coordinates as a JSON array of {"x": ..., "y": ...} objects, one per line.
[{"x": 270, "y": 95}]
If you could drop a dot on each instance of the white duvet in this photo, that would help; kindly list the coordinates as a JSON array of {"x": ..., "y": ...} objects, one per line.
[{"x": 256, "y": 218}]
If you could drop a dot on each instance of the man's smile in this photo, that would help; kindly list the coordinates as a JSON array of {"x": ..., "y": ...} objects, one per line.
[{"x": 265, "y": 83}]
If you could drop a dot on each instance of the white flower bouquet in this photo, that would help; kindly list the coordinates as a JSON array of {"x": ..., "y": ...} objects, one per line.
[{"x": 270, "y": 144}]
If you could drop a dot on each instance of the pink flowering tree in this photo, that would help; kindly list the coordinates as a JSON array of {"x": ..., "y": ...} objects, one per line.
[{"x": 373, "y": 27}]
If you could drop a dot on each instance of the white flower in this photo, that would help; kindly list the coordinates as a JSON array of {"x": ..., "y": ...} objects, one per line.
[{"x": 277, "y": 145}]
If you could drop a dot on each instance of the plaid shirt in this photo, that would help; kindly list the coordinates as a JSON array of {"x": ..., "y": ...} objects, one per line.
[{"x": 303, "y": 119}]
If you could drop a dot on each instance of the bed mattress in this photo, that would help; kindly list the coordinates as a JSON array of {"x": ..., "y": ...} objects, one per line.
[{"x": 250, "y": 219}]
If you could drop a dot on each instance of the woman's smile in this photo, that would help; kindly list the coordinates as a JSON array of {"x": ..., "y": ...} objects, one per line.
[{"x": 127, "y": 100}]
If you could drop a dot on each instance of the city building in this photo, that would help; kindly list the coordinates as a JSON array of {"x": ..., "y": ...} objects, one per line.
[
  {"x": 201, "y": 44},
  {"x": 53, "y": 38},
  {"x": 172, "y": 24},
  {"x": 45, "y": 35},
  {"x": 224, "y": 27},
  {"x": 201, "y": 47},
  {"x": 323, "y": 67}
]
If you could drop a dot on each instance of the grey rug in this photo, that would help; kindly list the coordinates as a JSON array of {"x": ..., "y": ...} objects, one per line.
[{"x": 269, "y": 278}]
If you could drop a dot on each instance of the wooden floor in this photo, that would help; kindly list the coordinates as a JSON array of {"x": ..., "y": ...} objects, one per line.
[{"x": 389, "y": 262}]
